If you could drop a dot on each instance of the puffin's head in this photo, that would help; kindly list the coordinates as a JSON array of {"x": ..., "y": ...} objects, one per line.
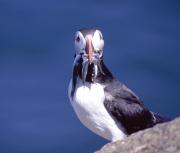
[{"x": 89, "y": 45}]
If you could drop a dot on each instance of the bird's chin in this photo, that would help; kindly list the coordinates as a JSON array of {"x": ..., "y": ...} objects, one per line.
[{"x": 90, "y": 70}]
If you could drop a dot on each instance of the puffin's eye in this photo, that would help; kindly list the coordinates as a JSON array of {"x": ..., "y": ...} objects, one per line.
[
  {"x": 79, "y": 42},
  {"x": 77, "y": 39}
]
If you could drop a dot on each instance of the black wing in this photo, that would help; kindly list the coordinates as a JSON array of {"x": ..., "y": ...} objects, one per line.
[{"x": 127, "y": 108}]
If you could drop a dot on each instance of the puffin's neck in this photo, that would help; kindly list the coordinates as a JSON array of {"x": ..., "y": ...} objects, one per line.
[
  {"x": 102, "y": 71},
  {"x": 104, "y": 74}
]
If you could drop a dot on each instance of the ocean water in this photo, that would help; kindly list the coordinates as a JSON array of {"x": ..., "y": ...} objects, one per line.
[{"x": 142, "y": 49}]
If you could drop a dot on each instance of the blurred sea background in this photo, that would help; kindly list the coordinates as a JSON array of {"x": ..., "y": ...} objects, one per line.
[{"x": 142, "y": 49}]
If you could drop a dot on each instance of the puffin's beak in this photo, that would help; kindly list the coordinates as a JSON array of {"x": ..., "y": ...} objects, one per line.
[
  {"x": 87, "y": 61},
  {"x": 89, "y": 48}
]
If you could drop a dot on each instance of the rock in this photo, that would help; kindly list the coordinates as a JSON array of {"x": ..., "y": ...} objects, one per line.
[{"x": 162, "y": 138}]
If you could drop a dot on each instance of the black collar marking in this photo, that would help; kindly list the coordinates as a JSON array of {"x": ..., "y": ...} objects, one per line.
[{"x": 101, "y": 77}]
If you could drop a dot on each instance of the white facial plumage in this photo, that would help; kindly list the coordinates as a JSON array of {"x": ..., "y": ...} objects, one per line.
[{"x": 97, "y": 41}]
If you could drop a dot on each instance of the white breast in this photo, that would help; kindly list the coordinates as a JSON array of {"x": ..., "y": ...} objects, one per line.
[{"x": 89, "y": 107}]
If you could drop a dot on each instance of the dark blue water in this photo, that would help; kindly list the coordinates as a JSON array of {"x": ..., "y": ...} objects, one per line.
[{"x": 142, "y": 48}]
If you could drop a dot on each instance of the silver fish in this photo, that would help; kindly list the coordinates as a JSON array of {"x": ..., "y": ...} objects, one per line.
[
  {"x": 95, "y": 70},
  {"x": 84, "y": 70},
  {"x": 99, "y": 67}
]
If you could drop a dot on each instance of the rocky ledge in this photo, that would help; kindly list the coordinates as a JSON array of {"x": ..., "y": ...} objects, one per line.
[{"x": 162, "y": 138}]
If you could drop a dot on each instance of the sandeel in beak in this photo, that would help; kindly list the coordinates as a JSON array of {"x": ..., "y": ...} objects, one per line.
[{"x": 89, "y": 59}]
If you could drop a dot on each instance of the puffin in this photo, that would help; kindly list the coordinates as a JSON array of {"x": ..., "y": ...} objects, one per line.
[{"x": 105, "y": 105}]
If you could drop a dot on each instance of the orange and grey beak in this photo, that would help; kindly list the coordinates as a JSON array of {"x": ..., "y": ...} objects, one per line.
[{"x": 89, "y": 48}]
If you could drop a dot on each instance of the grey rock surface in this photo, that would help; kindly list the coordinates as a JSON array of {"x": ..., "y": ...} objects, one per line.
[{"x": 162, "y": 138}]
